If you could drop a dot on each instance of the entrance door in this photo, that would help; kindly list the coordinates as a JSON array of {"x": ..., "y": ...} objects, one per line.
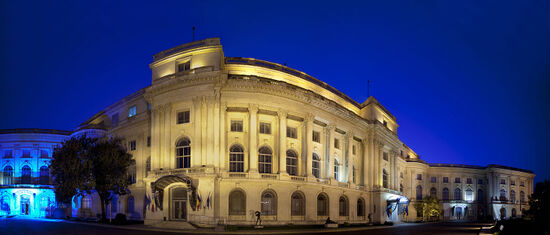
[
  {"x": 179, "y": 204},
  {"x": 24, "y": 206}
]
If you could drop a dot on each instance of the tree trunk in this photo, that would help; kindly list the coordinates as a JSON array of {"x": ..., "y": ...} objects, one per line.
[{"x": 103, "y": 217}]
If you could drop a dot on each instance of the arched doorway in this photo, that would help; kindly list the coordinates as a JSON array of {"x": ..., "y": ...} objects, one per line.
[
  {"x": 25, "y": 204},
  {"x": 502, "y": 213},
  {"x": 178, "y": 203}
]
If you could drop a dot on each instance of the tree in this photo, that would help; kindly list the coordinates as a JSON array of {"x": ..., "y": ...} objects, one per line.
[
  {"x": 429, "y": 207},
  {"x": 83, "y": 164},
  {"x": 109, "y": 168},
  {"x": 70, "y": 168}
]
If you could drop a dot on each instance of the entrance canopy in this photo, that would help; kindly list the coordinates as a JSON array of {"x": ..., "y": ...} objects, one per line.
[{"x": 158, "y": 188}]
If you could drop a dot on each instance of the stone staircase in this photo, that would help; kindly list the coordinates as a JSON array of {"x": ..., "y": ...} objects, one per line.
[{"x": 181, "y": 225}]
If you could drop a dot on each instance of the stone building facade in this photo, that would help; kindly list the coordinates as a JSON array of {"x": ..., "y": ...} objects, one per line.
[{"x": 217, "y": 138}]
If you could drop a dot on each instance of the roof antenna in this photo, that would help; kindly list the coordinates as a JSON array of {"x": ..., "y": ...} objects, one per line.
[{"x": 193, "y": 33}]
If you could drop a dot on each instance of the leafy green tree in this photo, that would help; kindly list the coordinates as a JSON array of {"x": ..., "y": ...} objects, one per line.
[
  {"x": 70, "y": 168},
  {"x": 83, "y": 164},
  {"x": 109, "y": 168},
  {"x": 429, "y": 207}
]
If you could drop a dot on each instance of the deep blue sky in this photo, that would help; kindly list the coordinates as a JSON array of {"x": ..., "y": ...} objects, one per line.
[{"x": 469, "y": 82}]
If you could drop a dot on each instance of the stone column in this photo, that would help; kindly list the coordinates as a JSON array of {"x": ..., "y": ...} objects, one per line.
[
  {"x": 309, "y": 144},
  {"x": 223, "y": 137},
  {"x": 350, "y": 159},
  {"x": 253, "y": 138},
  {"x": 366, "y": 170},
  {"x": 154, "y": 139},
  {"x": 282, "y": 141},
  {"x": 196, "y": 151},
  {"x": 204, "y": 131},
  {"x": 330, "y": 153},
  {"x": 372, "y": 162},
  {"x": 168, "y": 160}
]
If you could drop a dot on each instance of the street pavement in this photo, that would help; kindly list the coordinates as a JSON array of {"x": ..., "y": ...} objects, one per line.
[{"x": 46, "y": 226}]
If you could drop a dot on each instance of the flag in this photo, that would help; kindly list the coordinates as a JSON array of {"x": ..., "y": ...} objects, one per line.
[
  {"x": 208, "y": 201},
  {"x": 199, "y": 200}
]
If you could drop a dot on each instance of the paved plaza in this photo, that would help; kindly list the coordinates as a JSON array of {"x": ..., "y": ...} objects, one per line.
[{"x": 46, "y": 226}]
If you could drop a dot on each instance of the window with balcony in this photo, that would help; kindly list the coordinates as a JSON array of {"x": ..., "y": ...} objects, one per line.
[
  {"x": 183, "y": 153},
  {"x": 316, "y": 165},
  {"x": 44, "y": 175},
  {"x": 291, "y": 162},
  {"x": 336, "y": 169},
  {"x": 264, "y": 160},
  {"x": 132, "y": 111},
  {"x": 458, "y": 194},
  {"x": 236, "y": 159}
]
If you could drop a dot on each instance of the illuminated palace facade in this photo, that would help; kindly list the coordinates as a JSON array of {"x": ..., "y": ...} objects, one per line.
[
  {"x": 215, "y": 139},
  {"x": 25, "y": 184}
]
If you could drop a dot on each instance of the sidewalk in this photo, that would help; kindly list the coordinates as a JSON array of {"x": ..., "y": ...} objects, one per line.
[{"x": 142, "y": 227}]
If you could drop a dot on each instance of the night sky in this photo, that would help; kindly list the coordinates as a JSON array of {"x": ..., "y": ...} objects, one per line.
[{"x": 469, "y": 82}]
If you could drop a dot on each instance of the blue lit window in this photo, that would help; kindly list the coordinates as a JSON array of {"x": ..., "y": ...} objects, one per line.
[
  {"x": 8, "y": 153},
  {"x": 8, "y": 175},
  {"x": 114, "y": 119},
  {"x": 43, "y": 153},
  {"x": 26, "y": 175},
  {"x": 44, "y": 175},
  {"x": 26, "y": 153},
  {"x": 132, "y": 111}
]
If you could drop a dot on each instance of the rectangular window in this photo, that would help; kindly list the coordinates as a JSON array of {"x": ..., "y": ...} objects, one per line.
[
  {"x": 445, "y": 179},
  {"x": 385, "y": 123},
  {"x": 457, "y": 180},
  {"x": 316, "y": 137},
  {"x": 8, "y": 153},
  {"x": 26, "y": 153},
  {"x": 237, "y": 126},
  {"x": 385, "y": 156},
  {"x": 184, "y": 66},
  {"x": 502, "y": 181},
  {"x": 132, "y": 145},
  {"x": 114, "y": 119},
  {"x": 183, "y": 117},
  {"x": 479, "y": 181},
  {"x": 401, "y": 153},
  {"x": 521, "y": 183},
  {"x": 512, "y": 182},
  {"x": 43, "y": 153},
  {"x": 419, "y": 176},
  {"x": 469, "y": 180},
  {"x": 291, "y": 132},
  {"x": 401, "y": 175},
  {"x": 265, "y": 128},
  {"x": 148, "y": 141},
  {"x": 148, "y": 106},
  {"x": 132, "y": 111},
  {"x": 433, "y": 179},
  {"x": 353, "y": 149},
  {"x": 336, "y": 143}
]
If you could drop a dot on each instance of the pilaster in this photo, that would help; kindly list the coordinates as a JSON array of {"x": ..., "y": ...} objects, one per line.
[
  {"x": 282, "y": 141},
  {"x": 309, "y": 144},
  {"x": 253, "y": 138}
]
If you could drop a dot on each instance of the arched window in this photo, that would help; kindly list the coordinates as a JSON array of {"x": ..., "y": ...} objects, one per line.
[
  {"x": 236, "y": 159},
  {"x": 322, "y": 205},
  {"x": 360, "y": 207},
  {"x": 26, "y": 175},
  {"x": 480, "y": 195},
  {"x": 433, "y": 192},
  {"x": 291, "y": 162},
  {"x": 269, "y": 203},
  {"x": 86, "y": 202},
  {"x": 469, "y": 195},
  {"x": 400, "y": 187},
  {"x": 130, "y": 204},
  {"x": 343, "y": 206},
  {"x": 8, "y": 175},
  {"x": 114, "y": 204},
  {"x": 445, "y": 194},
  {"x": 503, "y": 195},
  {"x": 458, "y": 194},
  {"x": 502, "y": 213},
  {"x": 514, "y": 213},
  {"x": 264, "y": 161},
  {"x": 353, "y": 172},
  {"x": 336, "y": 169},
  {"x": 148, "y": 164},
  {"x": 44, "y": 175},
  {"x": 418, "y": 192},
  {"x": 237, "y": 203},
  {"x": 521, "y": 196},
  {"x": 315, "y": 165},
  {"x": 513, "y": 196},
  {"x": 183, "y": 153},
  {"x": 384, "y": 178},
  {"x": 298, "y": 205}
]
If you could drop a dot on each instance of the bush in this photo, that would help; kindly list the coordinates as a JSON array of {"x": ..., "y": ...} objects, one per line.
[
  {"x": 120, "y": 219},
  {"x": 388, "y": 223}
]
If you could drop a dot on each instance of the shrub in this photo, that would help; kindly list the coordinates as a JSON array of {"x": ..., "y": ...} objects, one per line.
[{"x": 120, "y": 219}]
